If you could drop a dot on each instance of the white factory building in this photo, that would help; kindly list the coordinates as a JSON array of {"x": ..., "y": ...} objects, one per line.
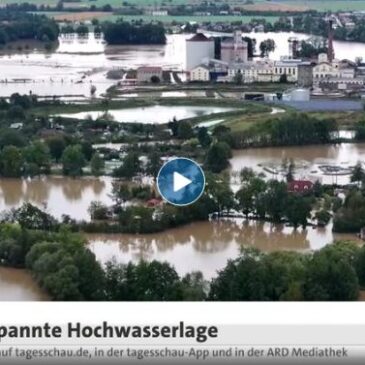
[
  {"x": 199, "y": 49},
  {"x": 200, "y": 73}
]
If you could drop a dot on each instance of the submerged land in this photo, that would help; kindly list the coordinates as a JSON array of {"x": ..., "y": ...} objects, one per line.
[{"x": 82, "y": 139}]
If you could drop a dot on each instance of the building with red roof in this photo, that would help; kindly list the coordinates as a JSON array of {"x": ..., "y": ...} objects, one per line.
[{"x": 300, "y": 186}]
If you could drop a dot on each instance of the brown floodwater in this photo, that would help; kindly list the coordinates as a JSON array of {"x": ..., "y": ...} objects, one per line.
[
  {"x": 59, "y": 195},
  {"x": 18, "y": 285},
  {"x": 307, "y": 158},
  {"x": 207, "y": 246},
  {"x": 204, "y": 246}
]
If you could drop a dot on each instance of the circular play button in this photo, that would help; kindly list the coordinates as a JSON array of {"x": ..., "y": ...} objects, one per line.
[{"x": 181, "y": 181}]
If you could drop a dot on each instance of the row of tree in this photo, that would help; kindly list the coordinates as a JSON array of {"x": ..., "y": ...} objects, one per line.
[
  {"x": 15, "y": 25},
  {"x": 36, "y": 159},
  {"x": 122, "y": 32},
  {"x": 63, "y": 266},
  {"x": 291, "y": 130}
]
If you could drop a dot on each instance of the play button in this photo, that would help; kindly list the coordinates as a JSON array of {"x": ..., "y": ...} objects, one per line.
[{"x": 181, "y": 181}]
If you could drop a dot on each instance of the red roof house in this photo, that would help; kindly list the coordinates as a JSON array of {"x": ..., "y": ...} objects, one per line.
[{"x": 300, "y": 186}]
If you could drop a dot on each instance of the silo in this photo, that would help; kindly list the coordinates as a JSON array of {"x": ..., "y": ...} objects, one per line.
[{"x": 198, "y": 49}]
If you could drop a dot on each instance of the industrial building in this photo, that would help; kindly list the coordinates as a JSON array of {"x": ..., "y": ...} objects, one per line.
[
  {"x": 234, "y": 50},
  {"x": 200, "y": 73},
  {"x": 145, "y": 74},
  {"x": 199, "y": 49}
]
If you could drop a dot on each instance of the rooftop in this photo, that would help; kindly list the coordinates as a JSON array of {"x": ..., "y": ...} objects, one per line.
[
  {"x": 199, "y": 37},
  {"x": 149, "y": 69}
]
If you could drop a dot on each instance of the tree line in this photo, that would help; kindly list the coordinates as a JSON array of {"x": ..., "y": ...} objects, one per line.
[
  {"x": 66, "y": 269},
  {"x": 15, "y": 25},
  {"x": 122, "y": 32},
  {"x": 291, "y": 130}
]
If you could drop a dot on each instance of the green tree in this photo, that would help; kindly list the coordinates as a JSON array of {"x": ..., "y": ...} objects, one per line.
[
  {"x": 194, "y": 287},
  {"x": 358, "y": 174},
  {"x": 73, "y": 160},
  {"x": 154, "y": 163},
  {"x": 56, "y": 147},
  {"x": 276, "y": 200},
  {"x": 323, "y": 217},
  {"x": 38, "y": 159},
  {"x": 267, "y": 46},
  {"x": 204, "y": 138},
  {"x": 242, "y": 279},
  {"x": 218, "y": 156},
  {"x": 11, "y": 162},
  {"x": 331, "y": 276},
  {"x": 154, "y": 281},
  {"x": 121, "y": 193},
  {"x": 97, "y": 165},
  {"x": 130, "y": 167},
  {"x": 219, "y": 190},
  {"x": 298, "y": 210},
  {"x": 184, "y": 130}
]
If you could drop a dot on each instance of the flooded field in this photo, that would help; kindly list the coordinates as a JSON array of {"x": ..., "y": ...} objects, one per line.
[
  {"x": 77, "y": 64},
  {"x": 311, "y": 158},
  {"x": 157, "y": 114},
  {"x": 18, "y": 285},
  {"x": 206, "y": 246}
]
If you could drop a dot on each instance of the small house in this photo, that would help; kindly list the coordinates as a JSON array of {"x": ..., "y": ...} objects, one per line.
[{"x": 300, "y": 186}]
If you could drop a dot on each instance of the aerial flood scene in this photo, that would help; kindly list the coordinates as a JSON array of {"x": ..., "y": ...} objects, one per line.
[{"x": 98, "y": 98}]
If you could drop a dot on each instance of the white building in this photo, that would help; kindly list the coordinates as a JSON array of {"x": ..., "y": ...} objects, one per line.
[
  {"x": 160, "y": 13},
  {"x": 234, "y": 49},
  {"x": 261, "y": 71},
  {"x": 199, "y": 48},
  {"x": 288, "y": 67},
  {"x": 200, "y": 73},
  {"x": 325, "y": 70}
]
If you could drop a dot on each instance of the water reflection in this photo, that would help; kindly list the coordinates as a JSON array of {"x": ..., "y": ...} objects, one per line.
[
  {"x": 206, "y": 246},
  {"x": 157, "y": 114},
  {"x": 60, "y": 195},
  {"x": 344, "y": 155},
  {"x": 18, "y": 285},
  {"x": 78, "y": 63}
]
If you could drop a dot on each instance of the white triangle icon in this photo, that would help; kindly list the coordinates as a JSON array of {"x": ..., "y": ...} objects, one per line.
[{"x": 180, "y": 182}]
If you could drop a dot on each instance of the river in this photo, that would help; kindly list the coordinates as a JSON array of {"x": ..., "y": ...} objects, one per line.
[{"x": 79, "y": 63}]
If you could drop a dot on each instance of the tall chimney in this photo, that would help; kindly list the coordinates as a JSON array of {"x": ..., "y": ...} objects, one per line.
[{"x": 331, "y": 51}]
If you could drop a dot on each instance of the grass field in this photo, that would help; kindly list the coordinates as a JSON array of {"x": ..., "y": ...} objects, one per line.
[
  {"x": 329, "y": 5},
  {"x": 83, "y": 16},
  {"x": 199, "y": 19},
  {"x": 325, "y": 5}
]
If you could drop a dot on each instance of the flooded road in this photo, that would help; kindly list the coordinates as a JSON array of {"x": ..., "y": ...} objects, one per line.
[
  {"x": 206, "y": 246},
  {"x": 18, "y": 285},
  {"x": 59, "y": 195}
]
